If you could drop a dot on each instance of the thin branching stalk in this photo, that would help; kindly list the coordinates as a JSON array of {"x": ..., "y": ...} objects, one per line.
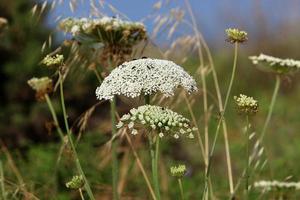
[
  {"x": 115, "y": 168},
  {"x": 78, "y": 165},
  {"x": 180, "y": 188},
  {"x": 274, "y": 96},
  {"x": 248, "y": 159},
  {"x": 232, "y": 75},
  {"x": 220, "y": 103},
  {"x": 141, "y": 167},
  {"x": 3, "y": 192},
  {"x": 54, "y": 116}
]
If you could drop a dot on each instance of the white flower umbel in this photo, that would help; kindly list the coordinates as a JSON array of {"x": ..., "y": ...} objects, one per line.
[
  {"x": 246, "y": 105},
  {"x": 163, "y": 121},
  {"x": 276, "y": 185},
  {"x": 145, "y": 77},
  {"x": 276, "y": 65}
]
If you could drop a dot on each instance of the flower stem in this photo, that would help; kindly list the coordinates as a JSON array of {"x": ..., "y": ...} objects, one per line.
[
  {"x": 180, "y": 188},
  {"x": 115, "y": 169},
  {"x": 154, "y": 152},
  {"x": 78, "y": 165},
  {"x": 3, "y": 193},
  {"x": 274, "y": 96},
  {"x": 247, "y": 161},
  {"x": 54, "y": 116},
  {"x": 81, "y": 195}
]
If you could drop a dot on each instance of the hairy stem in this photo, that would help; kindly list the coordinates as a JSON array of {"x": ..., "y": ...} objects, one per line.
[
  {"x": 274, "y": 96},
  {"x": 78, "y": 165},
  {"x": 154, "y": 152},
  {"x": 247, "y": 160}
]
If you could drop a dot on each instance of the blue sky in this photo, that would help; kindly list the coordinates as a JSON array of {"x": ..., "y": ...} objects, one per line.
[{"x": 213, "y": 16}]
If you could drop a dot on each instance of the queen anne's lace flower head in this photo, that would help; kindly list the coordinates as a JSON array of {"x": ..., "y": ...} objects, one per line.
[
  {"x": 235, "y": 35},
  {"x": 178, "y": 171},
  {"x": 145, "y": 76},
  {"x": 277, "y": 185},
  {"x": 163, "y": 121},
  {"x": 275, "y": 65},
  {"x": 246, "y": 105},
  {"x": 76, "y": 182},
  {"x": 53, "y": 61},
  {"x": 42, "y": 86}
]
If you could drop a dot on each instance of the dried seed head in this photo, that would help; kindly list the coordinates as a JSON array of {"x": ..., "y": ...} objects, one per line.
[
  {"x": 163, "y": 121},
  {"x": 246, "y": 105},
  {"x": 275, "y": 65},
  {"x": 235, "y": 35},
  {"x": 178, "y": 171},
  {"x": 53, "y": 61},
  {"x": 42, "y": 86},
  {"x": 75, "y": 183},
  {"x": 145, "y": 77}
]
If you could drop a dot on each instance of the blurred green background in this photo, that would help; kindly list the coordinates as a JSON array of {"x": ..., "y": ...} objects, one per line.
[{"x": 29, "y": 151}]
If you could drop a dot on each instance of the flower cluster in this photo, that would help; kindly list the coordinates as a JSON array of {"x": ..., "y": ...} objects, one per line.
[
  {"x": 246, "y": 105},
  {"x": 53, "y": 61},
  {"x": 235, "y": 35},
  {"x": 276, "y": 65},
  {"x": 42, "y": 86},
  {"x": 178, "y": 171},
  {"x": 164, "y": 121},
  {"x": 76, "y": 182},
  {"x": 276, "y": 185},
  {"x": 116, "y": 36},
  {"x": 145, "y": 76}
]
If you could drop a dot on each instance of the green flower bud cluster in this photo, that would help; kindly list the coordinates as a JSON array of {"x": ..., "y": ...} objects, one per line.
[
  {"x": 235, "y": 35},
  {"x": 246, "y": 105},
  {"x": 76, "y": 182},
  {"x": 53, "y": 61},
  {"x": 275, "y": 65},
  {"x": 163, "y": 121},
  {"x": 178, "y": 171}
]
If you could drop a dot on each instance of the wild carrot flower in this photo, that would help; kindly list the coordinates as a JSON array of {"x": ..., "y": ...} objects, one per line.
[
  {"x": 116, "y": 36},
  {"x": 275, "y": 65},
  {"x": 53, "y": 61},
  {"x": 235, "y": 35},
  {"x": 42, "y": 86},
  {"x": 276, "y": 185},
  {"x": 145, "y": 77},
  {"x": 163, "y": 121},
  {"x": 246, "y": 105},
  {"x": 76, "y": 182},
  {"x": 178, "y": 171}
]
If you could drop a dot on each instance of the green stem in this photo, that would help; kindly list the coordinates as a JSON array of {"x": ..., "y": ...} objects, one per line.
[
  {"x": 181, "y": 189},
  {"x": 3, "y": 193},
  {"x": 78, "y": 165},
  {"x": 81, "y": 195},
  {"x": 114, "y": 150},
  {"x": 247, "y": 161},
  {"x": 221, "y": 120},
  {"x": 54, "y": 116},
  {"x": 232, "y": 75},
  {"x": 154, "y": 152},
  {"x": 274, "y": 96}
]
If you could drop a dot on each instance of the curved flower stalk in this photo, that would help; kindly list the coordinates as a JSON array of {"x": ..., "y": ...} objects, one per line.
[
  {"x": 145, "y": 77},
  {"x": 159, "y": 122},
  {"x": 246, "y": 106},
  {"x": 279, "y": 67},
  {"x": 116, "y": 36}
]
